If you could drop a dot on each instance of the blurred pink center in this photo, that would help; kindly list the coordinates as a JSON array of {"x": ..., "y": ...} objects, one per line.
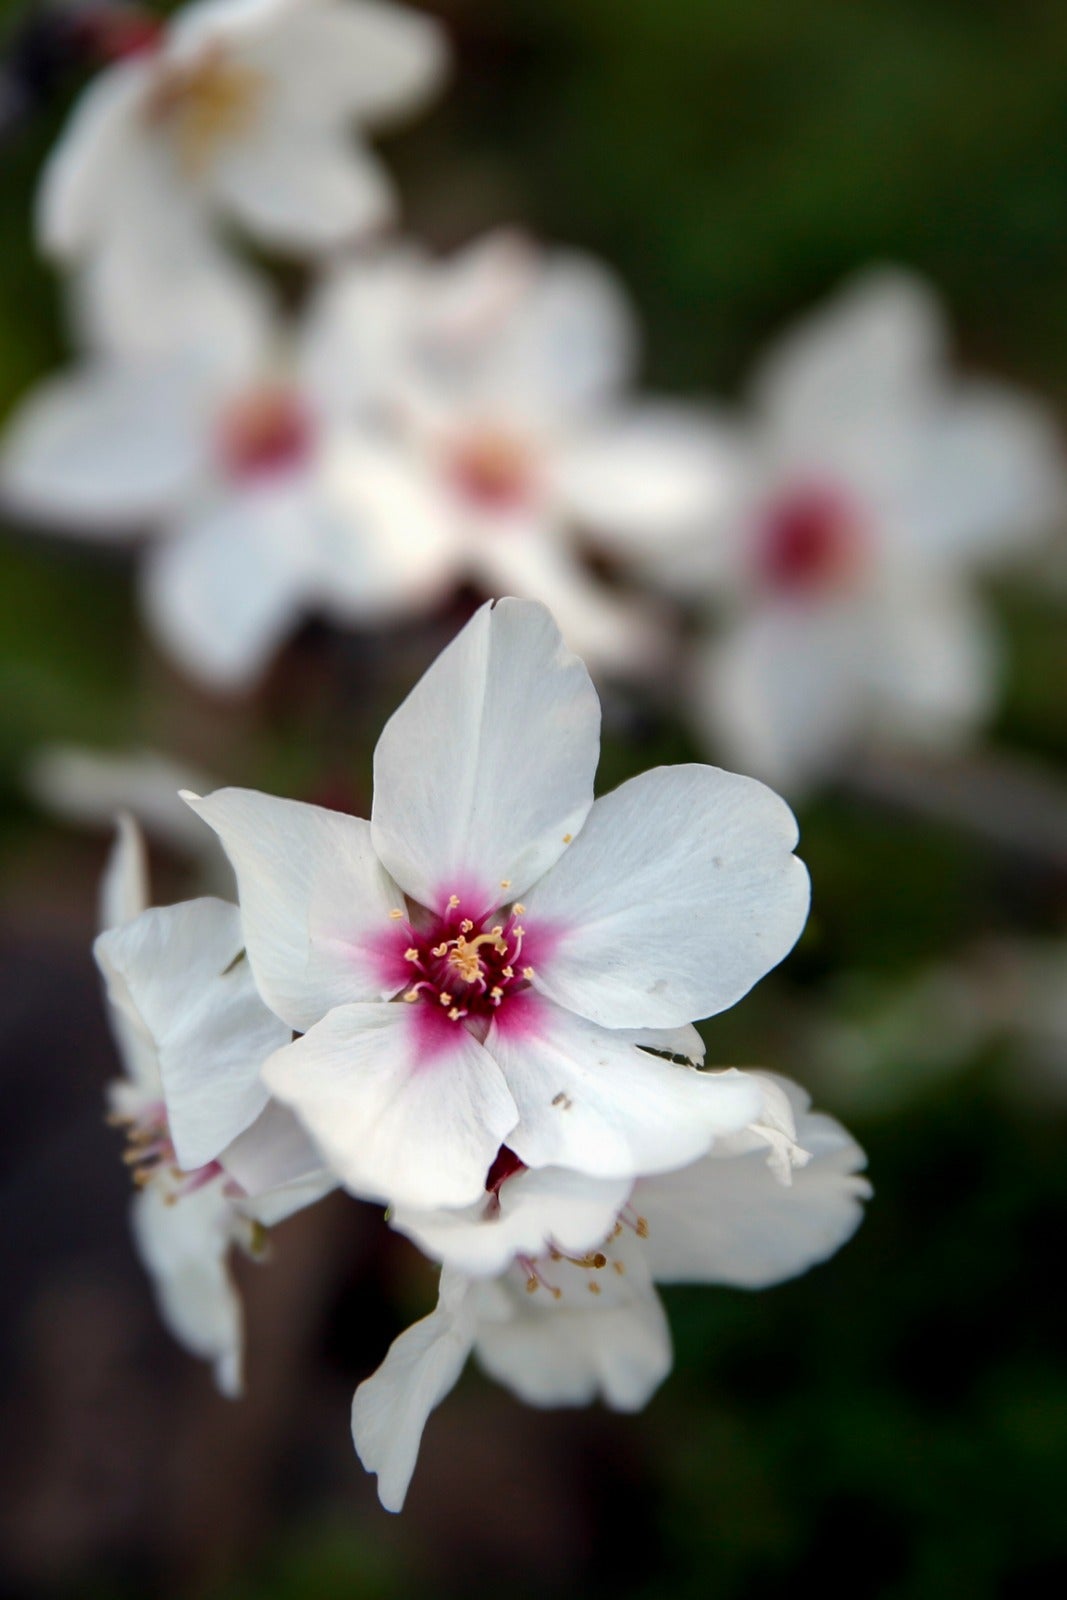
[
  {"x": 265, "y": 432},
  {"x": 810, "y": 539},
  {"x": 116, "y": 32},
  {"x": 465, "y": 967},
  {"x": 493, "y": 470}
]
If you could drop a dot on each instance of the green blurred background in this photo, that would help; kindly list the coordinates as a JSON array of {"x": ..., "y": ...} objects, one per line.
[{"x": 893, "y": 1425}]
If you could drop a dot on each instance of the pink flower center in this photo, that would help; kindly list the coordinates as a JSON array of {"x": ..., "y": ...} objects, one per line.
[
  {"x": 811, "y": 539},
  {"x": 493, "y": 470},
  {"x": 117, "y": 32},
  {"x": 465, "y": 967},
  {"x": 150, "y": 1155},
  {"x": 265, "y": 432}
]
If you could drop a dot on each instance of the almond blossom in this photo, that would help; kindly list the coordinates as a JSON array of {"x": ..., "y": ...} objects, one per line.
[
  {"x": 214, "y": 1161},
  {"x": 261, "y": 489},
  {"x": 498, "y": 379},
  {"x": 878, "y": 488},
  {"x": 550, "y": 1279},
  {"x": 233, "y": 111},
  {"x": 496, "y": 957}
]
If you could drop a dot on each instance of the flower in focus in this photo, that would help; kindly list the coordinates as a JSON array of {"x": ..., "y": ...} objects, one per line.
[
  {"x": 877, "y": 487},
  {"x": 497, "y": 379},
  {"x": 238, "y": 111},
  {"x": 550, "y": 1279},
  {"x": 264, "y": 491},
  {"x": 214, "y": 1162},
  {"x": 495, "y": 958}
]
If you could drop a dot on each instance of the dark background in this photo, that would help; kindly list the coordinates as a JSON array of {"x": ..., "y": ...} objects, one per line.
[{"x": 894, "y": 1425}]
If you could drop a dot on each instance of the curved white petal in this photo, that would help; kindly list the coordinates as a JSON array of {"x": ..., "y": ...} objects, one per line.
[
  {"x": 182, "y": 971},
  {"x": 533, "y": 1210},
  {"x": 784, "y": 690},
  {"x": 680, "y": 893},
  {"x": 228, "y": 585},
  {"x": 78, "y": 181},
  {"x": 314, "y": 901},
  {"x": 869, "y": 353},
  {"x": 935, "y": 671},
  {"x": 610, "y": 631},
  {"x": 303, "y": 188},
  {"x": 124, "y": 891},
  {"x": 108, "y": 448},
  {"x": 185, "y": 1248},
  {"x": 649, "y": 477},
  {"x": 487, "y": 767},
  {"x": 365, "y": 59},
  {"x": 274, "y": 1157},
  {"x": 88, "y": 787},
  {"x": 391, "y": 1408},
  {"x": 729, "y": 1219},
  {"x": 552, "y": 1355},
  {"x": 400, "y": 1111},
  {"x": 593, "y": 1099},
  {"x": 357, "y": 328}
]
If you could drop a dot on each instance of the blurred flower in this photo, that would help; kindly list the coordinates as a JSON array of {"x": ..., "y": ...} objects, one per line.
[
  {"x": 213, "y": 1161},
  {"x": 556, "y": 1296},
  {"x": 442, "y": 1016},
  {"x": 497, "y": 379},
  {"x": 267, "y": 493},
  {"x": 236, "y": 110},
  {"x": 877, "y": 485}
]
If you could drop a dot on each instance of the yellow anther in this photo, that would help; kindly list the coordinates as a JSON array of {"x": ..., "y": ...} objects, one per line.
[
  {"x": 509, "y": 972},
  {"x": 517, "y": 910},
  {"x": 411, "y": 954},
  {"x": 532, "y": 1286},
  {"x": 557, "y": 1294},
  {"x": 412, "y": 994},
  {"x": 642, "y": 1228},
  {"x": 496, "y": 992},
  {"x": 527, "y": 972},
  {"x": 396, "y": 914},
  {"x": 440, "y": 949},
  {"x": 517, "y": 931},
  {"x": 567, "y": 837},
  {"x": 600, "y": 1260},
  {"x": 453, "y": 901},
  {"x": 594, "y": 1288},
  {"x": 505, "y": 883},
  {"x": 619, "y": 1268},
  {"x": 466, "y": 925},
  {"x": 445, "y": 999},
  {"x": 455, "y": 1014}
]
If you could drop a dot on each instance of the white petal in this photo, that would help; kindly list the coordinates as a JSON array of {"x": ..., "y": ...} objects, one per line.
[
  {"x": 400, "y": 1111},
  {"x": 184, "y": 973},
  {"x": 871, "y": 352},
  {"x": 298, "y": 189},
  {"x": 184, "y": 1247},
  {"x": 356, "y": 329},
  {"x": 107, "y": 448},
  {"x": 611, "y": 632},
  {"x": 391, "y": 1408},
  {"x": 383, "y": 541},
  {"x": 555, "y": 1356},
  {"x": 678, "y": 895},
  {"x": 534, "y": 1210},
  {"x": 226, "y": 588},
  {"x": 87, "y": 787},
  {"x": 124, "y": 891},
  {"x": 487, "y": 767},
  {"x": 274, "y": 1154},
  {"x": 729, "y": 1219},
  {"x": 595, "y": 1100},
  {"x": 935, "y": 671},
  {"x": 314, "y": 901},
  {"x": 784, "y": 691},
  {"x": 372, "y": 61},
  {"x": 651, "y": 476},
  {"x": 78, "y": 181},
  {"x": 987, "y": 477}
]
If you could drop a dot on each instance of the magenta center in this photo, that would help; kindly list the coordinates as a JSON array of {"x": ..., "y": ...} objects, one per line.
[
  {"x": 492, "y": 470},
  {"x": 265, "y": 432},
  {"x": 811, "y": 539},
  {"x": 466, "y": 967}
]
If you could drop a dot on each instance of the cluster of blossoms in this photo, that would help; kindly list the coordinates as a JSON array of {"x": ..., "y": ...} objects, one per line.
[
  {"x": 421, "y": 424},
  {"x": 477, "y": 1008}
]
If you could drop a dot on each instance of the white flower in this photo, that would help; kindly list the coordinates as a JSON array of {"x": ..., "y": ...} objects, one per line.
[
  {"x": 554, "y": 1290},
  {"x": 494, "y": 956},
  {"x": 498, "y": 379},
  {"x": 878, "y": 485},
  {"x": 238, "y": 111},
  {"x": 267, "y": 498},
  {"x": 214, "y": 1161}
]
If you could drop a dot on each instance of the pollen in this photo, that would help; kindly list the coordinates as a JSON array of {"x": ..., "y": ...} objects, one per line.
[
  {"x": 396, "y": 913},
  {"x": 445, "y": 999},
  {"x": 518, "y": 911},
  {"x": 567, "y": 837},
  {"x": 527, "y": 972},
  {"x": 411, "y": 954},
  {"x": 505, "y": 883},
  {"x": 411, "y": 996},
  {"x": 453, "y": 901}
]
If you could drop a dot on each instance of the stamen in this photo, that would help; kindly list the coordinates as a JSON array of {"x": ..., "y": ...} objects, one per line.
[
  {"x": 453, "y": 901},
  {"x": 396, "y": 914}
]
